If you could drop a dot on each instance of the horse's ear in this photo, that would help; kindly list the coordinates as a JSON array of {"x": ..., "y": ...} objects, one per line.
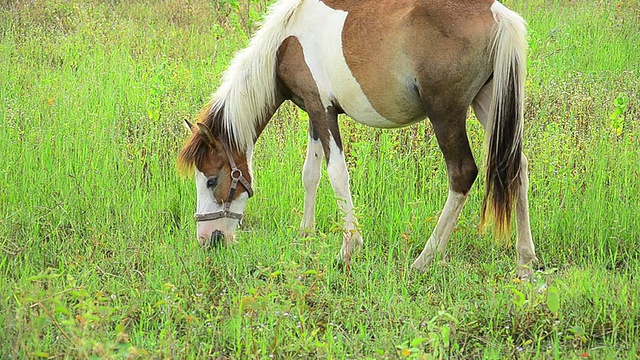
[
  {"x": 189, "y": 126},
  {"x": 205, "y": 132}
]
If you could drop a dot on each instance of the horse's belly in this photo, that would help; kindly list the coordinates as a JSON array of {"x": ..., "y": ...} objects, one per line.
[
  {"x": 365, "y": 117},
  {"x": 318, "y": 28}
]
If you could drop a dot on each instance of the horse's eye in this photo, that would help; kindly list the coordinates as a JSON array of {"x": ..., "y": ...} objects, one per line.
[{"x": 212, "y": 182}]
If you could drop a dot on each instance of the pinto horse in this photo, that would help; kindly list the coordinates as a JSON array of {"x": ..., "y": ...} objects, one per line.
[{"x": 386, "y": 64}]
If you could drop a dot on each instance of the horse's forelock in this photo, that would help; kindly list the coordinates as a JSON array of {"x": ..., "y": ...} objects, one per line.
[
  {"x": 192, "y": 153},
  {"x": 194, "y": 150}
]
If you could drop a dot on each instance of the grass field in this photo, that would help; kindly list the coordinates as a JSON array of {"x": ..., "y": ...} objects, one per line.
[{"x": 98, "y": 256}]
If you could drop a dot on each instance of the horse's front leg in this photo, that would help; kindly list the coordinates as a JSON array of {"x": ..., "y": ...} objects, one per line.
[
  {"x": 311, "y": 173},
  {"x": 339, "y": 177},
  {"x": 324, "y": 127}
]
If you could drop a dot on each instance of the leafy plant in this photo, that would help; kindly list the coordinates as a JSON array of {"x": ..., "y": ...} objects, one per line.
[
  {"x": 617, "y": 117},
  {"x": 437, "y": 344}
]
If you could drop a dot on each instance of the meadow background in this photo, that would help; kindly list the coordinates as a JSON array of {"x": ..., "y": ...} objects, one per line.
[{"x": 98, "y": 256}]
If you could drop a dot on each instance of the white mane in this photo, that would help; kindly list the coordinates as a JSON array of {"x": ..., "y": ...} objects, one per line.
[{"x": 248, "y": 85}]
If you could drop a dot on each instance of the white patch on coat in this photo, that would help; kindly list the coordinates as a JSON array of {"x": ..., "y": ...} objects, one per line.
[
  {"x": 249, "y": 156},
  {"x": 482, "y": 102},
  {"x": 206, "y": 203},
  {"x": 319, "y": 29}
]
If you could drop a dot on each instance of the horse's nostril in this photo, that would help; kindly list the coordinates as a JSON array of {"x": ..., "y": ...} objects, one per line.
[{"x": 216, "y": 238}]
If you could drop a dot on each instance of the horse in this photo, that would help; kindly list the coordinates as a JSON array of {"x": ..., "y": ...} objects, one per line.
[{"x": 385, "y": 64}]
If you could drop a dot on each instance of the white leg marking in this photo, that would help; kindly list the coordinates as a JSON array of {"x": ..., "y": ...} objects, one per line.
[
  {"x": 310, "y": 178},
  {"x": 439, "y": 239},
  {"x": 524, "y": 245},
  {"x": 339, "y": 177}
]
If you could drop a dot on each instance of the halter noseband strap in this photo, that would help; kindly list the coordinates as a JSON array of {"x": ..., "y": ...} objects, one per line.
[{"x": 236, "y": 176}]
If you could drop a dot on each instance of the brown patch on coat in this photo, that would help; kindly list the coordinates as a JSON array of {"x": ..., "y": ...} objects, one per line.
[
  {"x": 297, "y": 83},
  {"x": 423, "y": 50}
]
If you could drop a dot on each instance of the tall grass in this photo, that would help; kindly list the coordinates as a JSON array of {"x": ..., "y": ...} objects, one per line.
[{"x": 98, "y": 256}]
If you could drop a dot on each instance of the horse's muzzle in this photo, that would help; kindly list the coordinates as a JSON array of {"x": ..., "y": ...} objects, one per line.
[{"x": 217, "y": 238}]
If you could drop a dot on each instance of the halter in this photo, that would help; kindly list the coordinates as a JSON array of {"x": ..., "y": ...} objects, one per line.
[{"x": 236, "y": 176}]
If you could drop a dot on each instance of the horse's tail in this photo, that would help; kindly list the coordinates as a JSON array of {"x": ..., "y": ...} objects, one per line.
[{"x": 505, "y": 123}]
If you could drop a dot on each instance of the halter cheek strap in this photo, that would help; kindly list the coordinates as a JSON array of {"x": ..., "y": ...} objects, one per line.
[{"x": 236, "y": 177}]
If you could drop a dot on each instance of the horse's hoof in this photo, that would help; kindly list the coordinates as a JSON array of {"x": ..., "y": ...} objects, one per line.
[{"x": 524, "y": 272}]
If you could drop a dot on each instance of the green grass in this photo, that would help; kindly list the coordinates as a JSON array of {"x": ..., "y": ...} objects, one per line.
[{"x": 98, "y": 256}]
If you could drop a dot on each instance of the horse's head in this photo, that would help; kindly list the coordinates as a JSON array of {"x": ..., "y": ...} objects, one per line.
[{"x": 223, "y": 183}]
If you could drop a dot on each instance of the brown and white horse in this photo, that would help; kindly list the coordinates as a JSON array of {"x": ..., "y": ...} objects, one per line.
[{"x": 387, "y": 64}]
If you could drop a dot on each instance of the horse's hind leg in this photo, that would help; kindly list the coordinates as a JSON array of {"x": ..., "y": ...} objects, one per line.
[
  {"x": 524, "y": 245},
  {"x": 310, "y": 178},
  {"x": 462, "y": 172}
]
